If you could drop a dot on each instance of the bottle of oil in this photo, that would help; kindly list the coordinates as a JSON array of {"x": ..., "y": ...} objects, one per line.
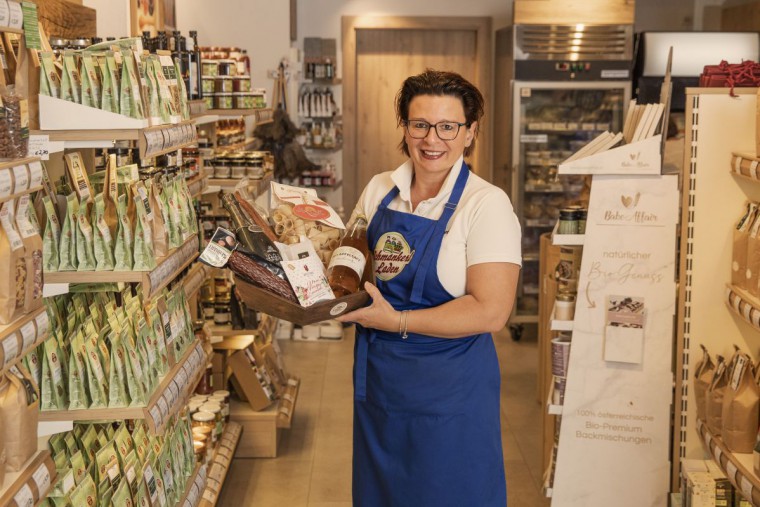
[{"x": 349, "y": 260}]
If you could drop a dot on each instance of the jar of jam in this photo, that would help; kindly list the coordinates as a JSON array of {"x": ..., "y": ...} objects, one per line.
[
  {"x": 224, "y": 84},
  {"x": 568, "y": 221},
  {"x": 216, "y": 410},
  {"x": 255, "y": 165},
  {"x": 209, "y": 68},
  {"x": 222, "y": 169},
  {"x": 200, "y": 451},
  {"x": 241, "y": 84},
  {"x": 204, "y": 384},
  {"x": 564, "y": 306},
  {"x": 238, "y": 165},
  {"x": 209, "y": 99},
  {"x": 221, "y": 313},
  {"x": 227, "y": 68},
  {"x": 243, "y": 100},
  {"x": 582, "y": 215},
  {"x": 223, "y": 101},
  {"x": 207, "y": 83}
]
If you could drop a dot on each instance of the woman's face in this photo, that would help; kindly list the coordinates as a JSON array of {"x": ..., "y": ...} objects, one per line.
[{"x": 431, "y": 154}]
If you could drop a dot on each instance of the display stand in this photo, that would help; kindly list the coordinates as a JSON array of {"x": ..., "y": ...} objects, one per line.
[
  {"x": 616, "y": 412},
  {"x": 717, "y": 126},
  {"x": 194, "y": 487},
  {"x": 221, "y": 463},
  {"x": 36, "y": 476}
]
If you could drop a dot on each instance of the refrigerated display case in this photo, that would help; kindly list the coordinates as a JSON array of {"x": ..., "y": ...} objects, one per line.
[{"x": 563, "y": 96}]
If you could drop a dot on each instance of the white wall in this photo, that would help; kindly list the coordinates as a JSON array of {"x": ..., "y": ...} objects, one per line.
[
  {"x": 671, "y": 16},
  {"x": 259, "y": 26},
  {"x": 112, "y": 17}
]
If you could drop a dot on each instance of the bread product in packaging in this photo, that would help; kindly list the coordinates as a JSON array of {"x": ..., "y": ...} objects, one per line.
[
  {"x": 50, "y": 80},
  {"x": 123, "y": 248},
  {"x": 51, "y": 237},
  {"x": 28, "y": 228},
  {"x": 91, "y": 87},
  {"x": 103, "y": 241},
  {"x": 144, "y": 257},
  {"x": 19, "y": 411},
  {"x": 13, "y": 265},
  {"x": 715, "y": 394},
  {"x": 53, "y": 377},
  {"x": 84, "y": 239},
  {"x": 741, "y": 407},
  {"x": 703, "y": 374}
]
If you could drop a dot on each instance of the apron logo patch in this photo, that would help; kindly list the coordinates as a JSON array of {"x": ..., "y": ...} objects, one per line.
[{"x": 392, "y": 254}]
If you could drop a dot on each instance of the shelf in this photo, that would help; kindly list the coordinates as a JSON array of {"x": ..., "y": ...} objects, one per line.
[
  {"x": 550, "y": 188},
  {"x": 221, "y": 463},
  {"x": 37, "y": 473},
  {"x": 743, "y": 305},
  {"x": 197, "y": 185},
  {"x": 152, "y": 281},
  {"x": 237, "y": 146},
  {"x": 738, "y": 467},
  {"x": 167, "y": 400},
  {"x": 152, "y": 141},
  {"x": 336, "y": 186},
  {"x": 323, "y": 81},
  {"x": 25, "y": 327},
  {"x": 540, "y": 222},
  {"x": 205, "y": 119},
  {"x": 239, "y": 112},
  {"x": 194, "y": 487},
  {"x": 215, "y": 185},
  {"x": 567, "y": 239},
  {"x": 560, "y": 325},
  {"x": 337, "y": 147},
  {"x": 569, "y": 127},
  {"x": 551, "y": 408},
  {"x": 228, "y": 331},
  {"x": 530, "y": 290},
  {"x": 286, "y": 405}
]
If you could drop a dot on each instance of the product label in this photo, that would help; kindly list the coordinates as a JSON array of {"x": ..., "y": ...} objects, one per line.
[
  {"x": 6, "y": 183},
  {"x": 741, "y": 362},
  {"x": 104, "y": 230},
  {"x": 41, "y": 478},
  {"x": 43, "y": 323},
  {"x": 150, "y": 481},
  {"x": 6, "y": 220},
  {"x": 392, "y": 254},
  {"x": 20, "y": 178},
  {"x": 5, "y": 13},
  {"x": 10, "y": 347},
  {"x": 219, "y": 249},
  {"x": 350, "y": 257},
  {"x": 16, "y": 15},
  {"x": 24, "y": 497},
  {"x": 731, "y": 471},
  {"x": 28, "y": 334},
  {"x": 24, "y": 225}
]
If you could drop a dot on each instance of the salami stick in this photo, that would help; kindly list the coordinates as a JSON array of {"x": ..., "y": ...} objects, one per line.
[{"x": 251, "y": 211}]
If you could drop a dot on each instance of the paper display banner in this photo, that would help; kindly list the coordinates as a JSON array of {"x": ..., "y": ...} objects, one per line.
[{"x": 639, "y": 158}]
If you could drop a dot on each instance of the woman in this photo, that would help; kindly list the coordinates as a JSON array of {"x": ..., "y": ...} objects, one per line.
[{"x": 446, "y": 247}]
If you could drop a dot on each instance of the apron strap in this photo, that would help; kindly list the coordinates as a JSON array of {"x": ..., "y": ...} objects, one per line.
[
  {"x": 364, "y": 337},
  {"x": 430, "y": 255},
  {"x": 388, "y": 198}
]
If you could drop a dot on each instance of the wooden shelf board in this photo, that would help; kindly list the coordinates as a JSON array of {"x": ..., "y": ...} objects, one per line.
[
  {"x": 186, "y": 496},
  {"x": 284, "y": 420},
  {"x": 738, "y": 467},
  {"x": 205, "y": 118},
  {"x": 231, "y": 436},
  {"x": 199, "y": 271},
  {"x": 184, "y": 255},
  {"x": 13, "y": 162},
  {"x": 567, "y": 239},
  {"x": 10, "y": 329},
  {"x": 14, "y": 481},
  {"x": 172, "y": 149},
  {"x": 234, "y": 112},
  {"x": 228, "y": 331},
  {"x": 749, "y": 311},
  {"x": 90, "y": 135},
  {"x": 19, "y": 194}
]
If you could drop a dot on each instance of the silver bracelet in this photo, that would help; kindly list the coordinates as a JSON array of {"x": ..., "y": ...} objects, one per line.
[{"x": 405, "y": 315}]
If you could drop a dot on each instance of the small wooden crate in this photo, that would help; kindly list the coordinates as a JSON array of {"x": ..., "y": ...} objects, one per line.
[{"x": 260, "y": 432}]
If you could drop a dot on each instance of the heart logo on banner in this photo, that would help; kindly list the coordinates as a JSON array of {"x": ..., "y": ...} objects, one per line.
[{"x": 630, "y": 202}]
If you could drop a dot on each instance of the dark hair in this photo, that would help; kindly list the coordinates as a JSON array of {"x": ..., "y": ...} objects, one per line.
[{"x": 437, "y": 82}]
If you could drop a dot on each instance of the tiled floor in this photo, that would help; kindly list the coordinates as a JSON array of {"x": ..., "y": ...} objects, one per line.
[{"x": 313, "y": 467}]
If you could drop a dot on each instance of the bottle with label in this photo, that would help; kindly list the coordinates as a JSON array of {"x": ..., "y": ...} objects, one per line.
[
  {"x": 316, "y": 135},
  {"x": 349, "y": 260}
]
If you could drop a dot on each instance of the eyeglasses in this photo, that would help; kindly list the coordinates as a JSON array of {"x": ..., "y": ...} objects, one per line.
[{"x": 446, "y": 130}]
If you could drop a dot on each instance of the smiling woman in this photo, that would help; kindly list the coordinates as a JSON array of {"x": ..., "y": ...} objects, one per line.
[{"x": 446, "y": 246}]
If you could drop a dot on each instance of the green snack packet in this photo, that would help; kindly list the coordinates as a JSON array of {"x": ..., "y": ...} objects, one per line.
[
  {"x": 136, "y": 378},
  {"x": 110, "y": 82},
  {"x": 160, "y": 232},
  {"x": 34, "y": 365},
  {"x": 85, "y": 493},
  {"x": 117, "y": 395},
  {"x": 53, "y": 391},
  {"x": 105, "y": 492},
  {"x": 91, "y": 87},
  {"x": 108, "y": 464},
  {"x": 103, "y": 241},
  {"x": 77, "y": 375},
  {"x": 122, "y": 495},
  {"x": 164, "y": 495},
  {"x": 50, "y": 80},
  {"x": 123, "y": 249},
  {"x": 71, "y": 443},
  {"x": 141, "y": 442},
  {"x": 67, "y": 250},
  {"x": 98, "y": 384},
  {"x": 154, "y": 484},
  {"x": 84, "y": 240},
  {"x": 61, "y": 460},
  {"x": 130, "y": 87},
  {"x": 182, "y": 209},
  {"x": 152, "y": 102},
  {"x": 169, "y": 216},
  {"x": 71, "y": 84},
  {"x": 89, "y": 444},
  {"x": 157, "y": 327},
  {"x": 78, "y": 466},
  {"x": 141, "y": 496},
  {"x": 99, "y": 340},
  {"x": 147, "y": 353},
  {"x": 56, "y": 444},
  {"x": 63, "y": 486},
  {"x": 144, "y": 258},
  {"x": 184, "y": 108}
]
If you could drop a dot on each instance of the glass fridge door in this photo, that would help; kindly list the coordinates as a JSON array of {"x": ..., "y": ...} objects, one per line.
[{"x": 552, "y": 120}]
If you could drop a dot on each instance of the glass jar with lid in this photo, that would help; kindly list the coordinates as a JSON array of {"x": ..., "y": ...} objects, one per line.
[
  {"x": 216, "y": 410},
  {"x": 204, "y": 419},
  {"x": 200, "y": 451},
  {"x": 564, "y": 306},
  {"x": 568, "y": 221},
  {"x": 238, "y": 166},
  {"x": 255, "y": 165},
  {"x": 222, "y": 169}
]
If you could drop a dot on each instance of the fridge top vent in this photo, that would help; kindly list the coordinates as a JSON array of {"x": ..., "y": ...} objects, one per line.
[{"x": 574, "y": 42}]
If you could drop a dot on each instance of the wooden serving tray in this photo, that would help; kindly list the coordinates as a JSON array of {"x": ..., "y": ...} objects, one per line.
[{"x": 271, "y": 304}]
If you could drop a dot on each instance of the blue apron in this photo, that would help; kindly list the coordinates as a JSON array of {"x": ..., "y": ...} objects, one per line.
[{"x": 426, "y": 411}]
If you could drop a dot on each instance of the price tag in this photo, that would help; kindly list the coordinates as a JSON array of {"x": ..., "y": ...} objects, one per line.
[
  {"x": 24, "y": 497},
  {"x": 28, "y": 335},
  {"x": 708, "y": 440},
  {"x": 155, "y": 414},
  {"x": 216, "y": 472},
  {"x": 43, "y": 323},
  {"x": 731, "y": 471},
  {"x": 41, "y": 478},
  {"x": 10, "y": 347},
  {"x": 39, "y": 146},
  {"x": 163, "y": 407},
  {"x": 746, "y": 488},
  {"x": 718, "y": 453},
  {"x": 209, "y": 496},
  {"x": 287, "y": 397},
  {"x": 292, "y": 382},
  {"x": 20, "y": 179},
  {"x": 285, "y": 410}
]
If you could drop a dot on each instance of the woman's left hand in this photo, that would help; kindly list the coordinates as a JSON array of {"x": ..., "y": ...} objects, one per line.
[{"x": 379, "y": 315}]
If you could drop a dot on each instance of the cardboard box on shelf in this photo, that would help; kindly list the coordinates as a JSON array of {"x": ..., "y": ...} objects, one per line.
[{"x": 245, "y": 380}]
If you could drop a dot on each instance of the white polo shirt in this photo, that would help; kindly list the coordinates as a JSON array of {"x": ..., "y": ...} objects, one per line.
[{"x": 484, "y": 227}]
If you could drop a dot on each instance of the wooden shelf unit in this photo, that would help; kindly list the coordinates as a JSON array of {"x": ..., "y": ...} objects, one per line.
[
  {"x": 19, "y": 326},
  {"x": 194, "y": 487},
  {"x": 738, "y": 467},
  {"x": 168, "y": 398},
  {"x": 18, "y": 485},
  {"x": 197, "y": 185},
  {"x": 220, "y": 463},
  {"x": 152, "y": 281}
]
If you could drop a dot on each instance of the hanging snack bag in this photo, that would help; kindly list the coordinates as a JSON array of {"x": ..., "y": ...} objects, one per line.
[
  {"x": 169, "y": 73},
  {"x": 85, "y": 493},
  {"x": 91, "y": 88},
  {"x": 157, "y": 327},
  {"x": 71, "y": 83},
  {"x": 98, "y": 383},
  {"x": 123, "y": 248},
  {"x": 77, "y": 174},
  {"x": 84, "y": 239},
  {"x": 50, "y": 80},
  {"x": 13, "y": 266},
  {"x": 53, "y": 375},
  {"x": 171, "y": 213},
  {"x": 703, "y": 374},
  {"x": 78, "y": 398},
  {"x": 117, "y": 394},
  {"x": 33, "y": 252},
  {"x": 51, "y": 237},
  {"x": 34, "y": 365},
  {"x": 167, "y": 104},
  {"x": 184, "y": 108},
  {"x": 160, "y": 236},
  {"x": 137, "y": 379},
  {"x": 741, "y": 407},
  {"x": 715, "y": 393},
  {"x": 103, "y": 247},
  {"x": 19, "y": 411},
  {"x": 153, "y": 91},
  {"x": 184, "y": 207},
  {"x": 131, "y": 99},
  {"x": 67, "y": 250},
  {"x": 144, "y": 257}
]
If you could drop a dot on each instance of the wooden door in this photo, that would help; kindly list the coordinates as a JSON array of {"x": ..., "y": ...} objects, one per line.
[{"x": 378, "y": 54}]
